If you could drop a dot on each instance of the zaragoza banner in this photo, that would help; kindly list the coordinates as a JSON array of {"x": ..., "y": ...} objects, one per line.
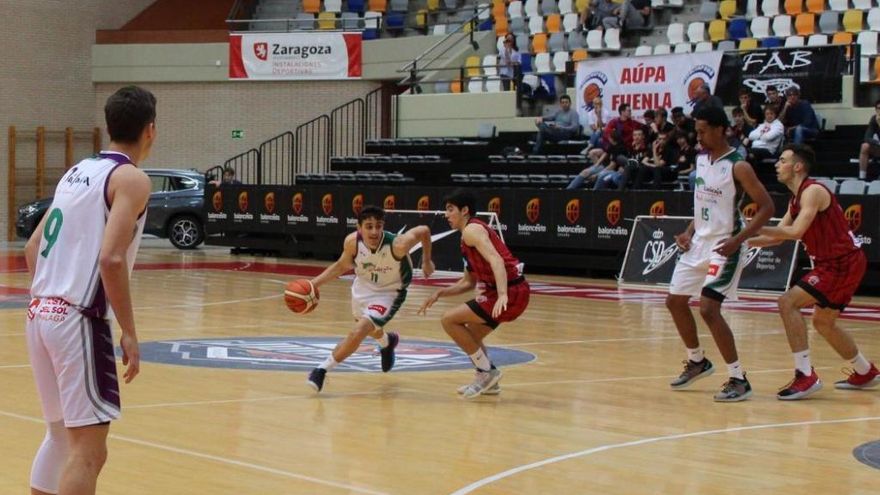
[{"x": 295, "y": 56}]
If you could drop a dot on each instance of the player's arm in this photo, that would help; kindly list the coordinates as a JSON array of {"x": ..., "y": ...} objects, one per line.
[
  {"x": 464, "y": 284},
  {"x": 405, "y": 242},
  {"x": 128, "y": 192},
  {"x": 813, "y": 199},
  {"x": 342, "y": 265},
  {"x": 684, "y": 239},
  {"x": 33, "y": 245},
  {"x": 476, "y": 236},
  {"x": 745, "y": 176}
]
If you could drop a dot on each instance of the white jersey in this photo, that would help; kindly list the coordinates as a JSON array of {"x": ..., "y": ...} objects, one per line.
[
  {"x": 379, "y": 270},
  {"x": 67, "y": 260},
  {"x": 716, "y": 213}
]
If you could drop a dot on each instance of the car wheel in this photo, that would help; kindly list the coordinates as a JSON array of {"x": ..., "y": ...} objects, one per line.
[{"x": 186, "y": 232}]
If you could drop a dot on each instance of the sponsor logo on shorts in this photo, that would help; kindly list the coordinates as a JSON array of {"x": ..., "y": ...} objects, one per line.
[
  {"x": 713, "y": 270},
  {"x": 813, "y": 280},
  {"x": 32, "y": 308},
  {"x": 377, "y": 308}
]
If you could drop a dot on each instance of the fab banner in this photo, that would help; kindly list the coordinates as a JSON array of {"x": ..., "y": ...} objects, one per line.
[
  {"x": 645, "y": 82},
  {"x": 295, "y": 56}
]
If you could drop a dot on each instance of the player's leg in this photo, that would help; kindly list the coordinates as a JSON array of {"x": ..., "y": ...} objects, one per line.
[
  {"x": 687, "y": 280},
  {"x": 480, "y": 331},
  {"x": 805, "y": 381},
  {"x": 345, "y": 348},
  {"x": 88, "y": 453},
  {"x": 380, "y": 310},
  {"x": 864, "y": 373},
  {"x": 468, "y": 324}
]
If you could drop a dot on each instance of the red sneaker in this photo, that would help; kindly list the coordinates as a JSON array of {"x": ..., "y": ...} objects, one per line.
[
  {"x": 801, "y": 386},
  {"x": 856, "y": 381}
]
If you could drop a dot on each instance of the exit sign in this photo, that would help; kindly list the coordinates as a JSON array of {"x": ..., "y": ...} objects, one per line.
[{"x": 237, "y": 133}]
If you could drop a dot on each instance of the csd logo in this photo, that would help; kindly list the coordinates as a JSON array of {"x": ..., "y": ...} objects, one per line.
[
  {"x": 853, "y": 216},
  {"x": 217, "y": 201},
  {"x": 243, "y": 202},
  {"x": 388, "y": 203},
  {"x": 357, "y": 204},
  {"x": 297, "y": 203},
  {"x": 750, "y": 210},
  {"x": 269, "y": 202},
  {"x": 327, "y": 204},
  {"x": 573, "y": 210},
  {"x": 423, "y": 204},
  {"x": 494, "y": 205},
  {"x": 658, "y": 209},
  {"x": 612, "y": 212},
  {"x": 533, "y": 210}
]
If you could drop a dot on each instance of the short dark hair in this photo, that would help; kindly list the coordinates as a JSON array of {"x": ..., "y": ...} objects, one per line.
[
  {"x": 772, "y": 109},
  {"x": 770, "y": 88},
  {"x": 744, "y": 91},
  {"x": 649, "y": 114},
  {"x": 661, "y": 112},
  {"x": 714, "y": 116},
  {"x": 128, "y": 112},
  {"x": 792, "y": 91},
  {"x": 622, "y": 107},
  {"x": 804, "y": 154},
  {"x": 677, "y": 111},
  {"x": 565, "y": 97},
  {"x": 371, "y": 211},
  {"x": 229, "y": 170},
  {"x": 461, "y": 198},
  {"x": 737, "y": 111}
]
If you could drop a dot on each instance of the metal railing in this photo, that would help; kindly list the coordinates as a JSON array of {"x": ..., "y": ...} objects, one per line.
[
  {"x": 312, "y": 153},
  {"x": 246, "y": 166}
]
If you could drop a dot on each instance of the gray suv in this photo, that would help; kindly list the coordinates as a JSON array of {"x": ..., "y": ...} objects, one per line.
[{"x": 174, "y": 211}]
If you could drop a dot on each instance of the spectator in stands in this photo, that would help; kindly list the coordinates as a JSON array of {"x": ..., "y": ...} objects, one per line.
[
  {"x": 684, "y": 158},
  {"x": 704, "y": 98},
  {"x": 764, "y": 141},
  {"x": 752, "y": 111},
  {"x": 774, "y": 99},
  {"x": 657, "y": 164},
  {"x": 563, "y": 125},
  {"x": 597, "y": 157},
  {"x": 738, "y": 132},
  {"x": 594, "y": 13},
  {"x": 798, "y": 117},
  {"x": 508, "y": 60},
  {"x": 871, "y": 145},
  {"x": 659, "y": 125},
  {"x": 647, "y": 120},
  {"x": 597, "y": 118},
  {"x": 617, "y": 174},
  {"x": 633, "y": 14},
  {"x": 683, "y": 123},
  {"x": 619, "y": 130},
  {"x": 228, "y": 178}
]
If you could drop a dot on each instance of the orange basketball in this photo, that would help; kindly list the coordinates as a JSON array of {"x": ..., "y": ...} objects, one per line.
[{"x": 301, "y": 296}]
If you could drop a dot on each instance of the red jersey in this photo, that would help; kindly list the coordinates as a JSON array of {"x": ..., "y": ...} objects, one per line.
[
  {"x": 828, "y": 236},
  {"x": 479, "y": 267}
]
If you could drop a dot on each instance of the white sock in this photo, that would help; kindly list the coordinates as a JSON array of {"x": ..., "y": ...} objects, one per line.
[
  {"x": 481, "y": 360},
  {"x": 863, "y": 174},
  {"x": 383, "y": 340},
  {"x": 802, "y": 362},
  {"x": 735, "y": 370},
  {"x": 696, "y": 355},
  {"x": 860, "y": 364},
  {"x": 328, "y": 363}
]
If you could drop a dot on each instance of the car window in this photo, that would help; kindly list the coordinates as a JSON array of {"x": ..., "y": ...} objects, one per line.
[
  {"x": 183, "y": 183},
  {"x": 160, "y": 183}
]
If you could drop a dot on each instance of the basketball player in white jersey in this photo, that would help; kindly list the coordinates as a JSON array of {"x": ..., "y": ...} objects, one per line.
[
  {"x": 714, "y": 252},
  {"x": 383, "y": 271},
  {"x": 80, "y": 258}
]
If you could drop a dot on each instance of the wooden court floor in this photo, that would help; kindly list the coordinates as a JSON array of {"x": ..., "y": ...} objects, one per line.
[{"x": 592, "y": 414}]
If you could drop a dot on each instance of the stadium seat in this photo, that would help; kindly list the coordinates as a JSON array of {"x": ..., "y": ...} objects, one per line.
[
  {"x": 805, "y": 24},
  {"x": 559, "y": 60},
  {"x": 570, "y": 22},
  {"x": 862, "y": 4},
  {"x": 554, "y": 23},
  {"x": 556, "y": 42},
  {"x": 542, "y": 63},
  {"x": 612, "y": 39},
  {"x": 708, "y": 11},
  {"x": 874, "y": 187},
  {"x": 726, "y": 46},
  {"x": 432, "y": 5},
  {"x": 794, "y": 41},
  {"x": 771, "y": 42},
  {"x": 334, "y": 6},
  {"x": 518, "y": 26},
  {"x": 717, "y": 30},
  {"x": 658, "y": 4},
  {"x": 356, "y": 6},
  {"x": 675, "y": 4},
  {"x": 514, "y": 9},
  {"x": 372, "y": 23},
  {"x": 539, "y": 43},
  {"x": 579, "y": 55},
  {"x": 594, "y": 40},
  {"x": 817, "y": 40},
  {"x": 838, "y": 5},
  {"x": 760, "y": 27},
  {"x": 438, "y": 29},
  {"x": 696, "y": 32},
  {"x": 536, "y": 25},
  {"x": 748, "y": 44},
  {"x": 566, "y": 7},
  {"x": 867, "y": 40},
  {"x": 501, "y": 26},
  {"x": 874, "y": 19},
  {"x": 662, "y": 49},
  {"x": 738, "y": 29},
  {"x": 704, "y": 46},
  {"x": 643, "y": 50},
  {"x": 576, "y": 40},
  {"x": 682, "y": 48},
  {"x": 852, "y": 186},
  {"x": 490, "y": 65},
  {"x": 442, "y": 87},
  {"x": 493, "y": 84},
  {"x": 475, "y": 85},
  {"x": 769, "y": 8},
  {"x": 794, "y": 7},
  {"x": 377, "y": 5},
  {"x": 304, "y": 21},
  {"x": 829, "y": 22},
  {"x": 549, "y": 7},
  {"x": 852, "y": 21},
  {"x": 726, "y": 9},
  {"x": 455, "y": 86},
  {"x": 311, "y": 6},
  {"x": 829, "y": 183},
  {"x": 751, "y": 9},
  {"x": 530, "y": 8},
  {"x": 327, "y": 20},
  {"x": 350, "y": 21},
  {"x": 782, "y": 26},
  {"x": 674, "y": 33},
  {"x": 581, "y": 5},
  {"x": 472, "y": 66},
  {"x": 815, "y": 6},
  {"x": 399, "y": 5}
]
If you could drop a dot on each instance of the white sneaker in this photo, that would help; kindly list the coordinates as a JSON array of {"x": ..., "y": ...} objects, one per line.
[
  {"x": 493, "y": 390},
  {"x": 484, "y": 381}
]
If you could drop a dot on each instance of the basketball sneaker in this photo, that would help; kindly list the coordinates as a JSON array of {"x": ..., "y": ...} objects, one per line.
[
  {"x": 483, "y": 382},
  {"x": 692, "y": 372},
  {"x": 316, "y": 378},
  {"x": 387, "y": 352},
  {"x": 734, "y": 390},
  {"x": 801, "y": 386},
  {"x": 855, "y": 381},
  {"x": 493, "y": 390}
]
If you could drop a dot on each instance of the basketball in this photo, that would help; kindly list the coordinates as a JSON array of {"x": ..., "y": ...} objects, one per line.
[{"x": 301, "y": 296}]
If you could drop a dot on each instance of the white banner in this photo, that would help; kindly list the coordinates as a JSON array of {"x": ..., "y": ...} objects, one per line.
[
  {"x": 645, "y": 82},
  {"x": 295, "y": 56}
]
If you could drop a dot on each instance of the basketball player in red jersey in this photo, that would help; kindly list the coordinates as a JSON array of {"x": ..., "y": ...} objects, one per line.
[
  {"x": 815, "y": 217},
  {"x": 503, "y": 292}
]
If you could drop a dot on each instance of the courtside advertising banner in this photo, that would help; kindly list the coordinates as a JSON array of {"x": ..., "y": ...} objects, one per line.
[
  {"x": 645, "y": 82},
  {"x": 274, "y": 56}
]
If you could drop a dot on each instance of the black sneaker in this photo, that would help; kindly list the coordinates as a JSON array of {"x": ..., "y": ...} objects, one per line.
[
  {"x": 692, "y": 372},
  {"x": 316, "y": 379},
  {"x": 734, "y": 390},
  {"x": 388, "y": 352}
]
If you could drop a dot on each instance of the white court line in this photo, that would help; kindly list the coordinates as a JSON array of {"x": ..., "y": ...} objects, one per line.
[
  {"x": 222, "y": 460},
  {"x": 583, "y": 453},
  {"x": 7, "y": 366},
  {"x": 218, "y": 303},
  {"x": 257, "y": 399}
]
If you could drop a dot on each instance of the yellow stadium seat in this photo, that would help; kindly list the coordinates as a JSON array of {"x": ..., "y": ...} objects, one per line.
[
  {"x": 852, "y": 21},
  {"x": 748, "y": 44},
  {"x": 816, "y": 6},
  {"x": 876, "y": 69},
  {"x": 539, "y": 43},
  {"x": 717, "y": 30},
  {"x": 472, "y": 66},
  {"x": 422, "y": 18},
  {"x": 311, "y": 6},
  {"x": 794, "y": 7},
  {"x": 727, "y": 9},
  {"x": 326, "y": 20},
  {"x": 581, "y": 5},
  {"x": 433, "y": 5},
  {"x": 578, "y": 55},
  {"x": 553, "y": 23},
  {"x": 805, "y": 24}
]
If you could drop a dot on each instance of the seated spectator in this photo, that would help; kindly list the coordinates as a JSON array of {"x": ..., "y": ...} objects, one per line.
[
  {"x": 633, "y": 14},
  {"x": 765, "y": 140},
  {"x": 798, "y": 117},
  {"x": 659, "y": 125},
  {"x": 752, "y": 111},
  {"x": 704, "y": 99},
  {"x": 871, "y": 144},
  {"x": 228, "y": 178},
  {"x": 774, "y": 99},
  {"x": 684, "y": 158},
  {"x": 657, "y": 165},
  {"x": 588, "y": 176},
  {"x": 620, "y": 129},
  {"x": 508, "y": 60},
  {"x": 684, "y": 124},
  {"x": 738, "y": 132},
  {"x": 597, "y": 118},
  {"x": 647, "y": 120},
  {"x": 623, "y": 166},
  {"x": 595, "y": 11},
  {"x": 562, "y": 125}
]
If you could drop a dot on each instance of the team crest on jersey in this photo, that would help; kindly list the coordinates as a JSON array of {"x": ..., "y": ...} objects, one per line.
[{"x": 304, "y": 353}]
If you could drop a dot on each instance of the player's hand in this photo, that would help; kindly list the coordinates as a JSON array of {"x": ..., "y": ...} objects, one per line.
[
  {"x": 684, "y": 241},
  {"x": 428, "y": 303},
  {"x": 727, "y": 247},
  {"x": 131, "y": 356},
  {"x": 427, "y": 268},
  {"x": 500, "y": 306}
]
